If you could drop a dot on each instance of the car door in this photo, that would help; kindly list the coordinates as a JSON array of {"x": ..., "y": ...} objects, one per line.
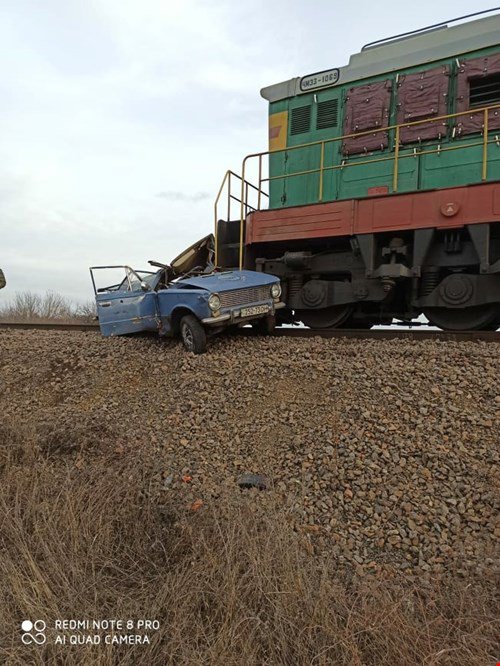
[{"x": 126, "y": 307}]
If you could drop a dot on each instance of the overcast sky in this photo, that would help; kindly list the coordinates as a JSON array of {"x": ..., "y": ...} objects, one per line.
[{"x": 118, "y": 118}]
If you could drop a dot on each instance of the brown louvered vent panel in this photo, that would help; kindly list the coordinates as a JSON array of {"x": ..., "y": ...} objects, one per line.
[
  {"x": 478, "y": 85},
  {"x": 423, "y": 95},
  {"x": 367, "y": 108},
  {"x": 300, "y": 120},
  {"x": 327, "y": 114}
]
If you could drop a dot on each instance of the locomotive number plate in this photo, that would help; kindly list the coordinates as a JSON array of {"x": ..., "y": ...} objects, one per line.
[
  {"x": 319, "y": 80},
  {"x": 256, "y": 310}
]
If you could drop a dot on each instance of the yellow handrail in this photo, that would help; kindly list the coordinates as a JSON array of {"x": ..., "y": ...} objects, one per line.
[
  {"x": 396, "y": 162},
  {"x": 242, "y": 221},
  {"x": 378, "y": 159},
  {"x": 230, "y": 197},
  {"x": 485, "y": 145},
  {"x": 321, "y": 167}
]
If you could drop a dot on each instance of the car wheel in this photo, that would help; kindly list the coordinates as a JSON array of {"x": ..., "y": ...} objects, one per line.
[
  {"x": 264, "y": 326},
  {"x": 193, "y": 335}
]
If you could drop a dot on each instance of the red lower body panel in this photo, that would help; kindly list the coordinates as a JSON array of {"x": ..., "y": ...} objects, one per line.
[{"x": 444, "y": 209}]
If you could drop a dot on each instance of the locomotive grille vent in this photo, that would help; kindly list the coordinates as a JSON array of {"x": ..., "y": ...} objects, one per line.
[
  {"x": 484, "y": 90},
  {"x": 301, "y": 120},
  {"x": 327, "y": 114}
]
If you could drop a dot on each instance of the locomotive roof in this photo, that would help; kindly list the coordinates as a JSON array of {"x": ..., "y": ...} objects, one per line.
[{"x": 426, "y": 47}]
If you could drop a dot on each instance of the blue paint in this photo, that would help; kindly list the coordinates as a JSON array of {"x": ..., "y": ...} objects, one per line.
[{"x": 125, "y": 312}]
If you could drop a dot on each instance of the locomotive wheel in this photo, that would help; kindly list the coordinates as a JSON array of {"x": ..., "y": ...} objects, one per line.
[
  {"x": 332, "y": 317},
  {"x": 352, "y": 323},
  {"x": 479, "y": 318},
  {"x": 494, "y": 326}
]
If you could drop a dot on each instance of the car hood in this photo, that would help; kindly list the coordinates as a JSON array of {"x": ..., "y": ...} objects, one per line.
[
  {"x": 198, "y": 255},
  {"x": 228, "y": 280}
]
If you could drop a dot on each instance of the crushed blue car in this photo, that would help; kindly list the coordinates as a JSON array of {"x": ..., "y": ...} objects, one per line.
[{"x": 187, "y": 298}]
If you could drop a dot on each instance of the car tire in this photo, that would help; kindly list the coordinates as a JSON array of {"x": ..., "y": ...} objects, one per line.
[
  {"x": 193, "y": 335},
  {"x": 264, "y": 326}
]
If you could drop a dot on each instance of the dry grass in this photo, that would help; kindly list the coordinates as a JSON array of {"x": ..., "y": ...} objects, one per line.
[
  {"x": 30, "y": 306},
  {"x": 231, "y": 584}
]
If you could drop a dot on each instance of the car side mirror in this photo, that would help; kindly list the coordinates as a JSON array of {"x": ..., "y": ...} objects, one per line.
[{"x": 145, "y": 286}]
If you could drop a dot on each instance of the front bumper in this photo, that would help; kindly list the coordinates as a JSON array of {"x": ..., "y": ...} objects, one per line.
[{"x": 234, "y": 316}]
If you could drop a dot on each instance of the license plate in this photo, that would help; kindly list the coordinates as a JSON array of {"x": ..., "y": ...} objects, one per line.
[{"x": 256, "y": 310}]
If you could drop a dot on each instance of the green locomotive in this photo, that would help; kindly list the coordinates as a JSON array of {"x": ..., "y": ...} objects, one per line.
[{"x": 379, "y": 196}]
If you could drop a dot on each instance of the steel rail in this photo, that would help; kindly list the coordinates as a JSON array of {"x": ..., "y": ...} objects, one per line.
[
  {"x": 391, "y": 334},
  {"x": 371, "y": 334},
  {"x": 48, "y": 326}
]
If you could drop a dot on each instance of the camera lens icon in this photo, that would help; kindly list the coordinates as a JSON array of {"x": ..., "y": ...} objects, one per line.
[{"x": 33, "y": 632}]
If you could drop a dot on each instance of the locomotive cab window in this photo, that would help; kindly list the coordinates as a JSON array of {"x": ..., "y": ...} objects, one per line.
[{"x": 484, "y": 91}]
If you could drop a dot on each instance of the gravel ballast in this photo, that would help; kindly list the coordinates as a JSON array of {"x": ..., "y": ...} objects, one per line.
[{"x": 385, "y": 453}]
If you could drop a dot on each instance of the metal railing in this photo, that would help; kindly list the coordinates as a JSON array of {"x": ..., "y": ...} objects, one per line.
[
  {"x": 243, "y": 200},
  {"x": 394, "y": 156}
]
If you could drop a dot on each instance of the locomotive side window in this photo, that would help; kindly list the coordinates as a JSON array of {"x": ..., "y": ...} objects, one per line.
[
  {"x": 367, "y": 108},
  {"x": 300, "y": 121},
  {"x": 478, "y": 85},
  {"x": 484, "y": 91},
  {"x": 422, "y": 95}
]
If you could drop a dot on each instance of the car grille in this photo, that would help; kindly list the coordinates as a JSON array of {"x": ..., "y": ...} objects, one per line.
[{"x": 237, "y": 297}]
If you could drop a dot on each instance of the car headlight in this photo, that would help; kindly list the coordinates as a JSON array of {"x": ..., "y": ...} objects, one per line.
[
  {"x": 276, "y": 290},
  {"x": 214, "y": 302}
]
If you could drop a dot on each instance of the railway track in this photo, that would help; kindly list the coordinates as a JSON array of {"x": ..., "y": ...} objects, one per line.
[
  {"x": 420, "y": 333},
  {"x": 48, "y": 326}
]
